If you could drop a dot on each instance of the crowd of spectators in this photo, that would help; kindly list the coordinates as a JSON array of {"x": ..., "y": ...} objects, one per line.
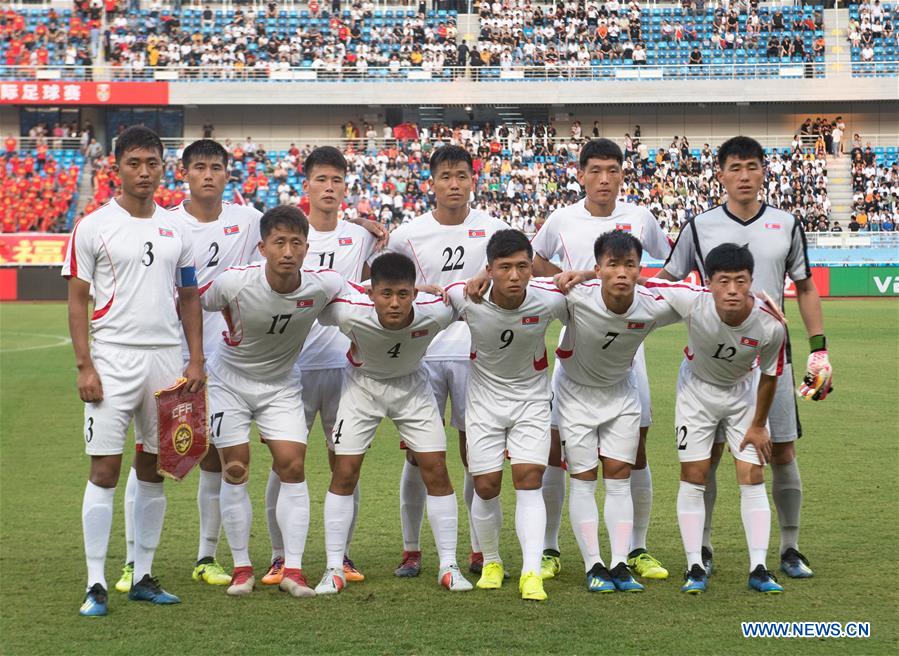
[
  {"x": 523, "y": 173},
  {"x": 871, "y": 27},
  {"x": 36, "y": 190},
  {"x": 875, "y": 192},
  {"x": 59, "y": 37}
]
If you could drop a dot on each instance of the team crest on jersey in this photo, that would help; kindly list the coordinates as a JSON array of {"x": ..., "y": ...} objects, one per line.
[
  {"x": 345, "y": 241},
  {"x": 232, "y": 230},
  {"x": 635, "y": 325},
  {"x": 772, "y": 226},
  {"x": 529, "y": 321},
  {"x": 419, "y": 333},
  {"x": 305, "y": 302},
  {"x": 165, "y": 232},
  {"x": 626, "y": 227},
  {"x": 748, "y": 341},
  {"x": 472, "y": 234}
]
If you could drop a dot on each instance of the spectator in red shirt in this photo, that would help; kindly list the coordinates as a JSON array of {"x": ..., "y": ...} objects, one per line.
[{"x": 10, "y": 144}]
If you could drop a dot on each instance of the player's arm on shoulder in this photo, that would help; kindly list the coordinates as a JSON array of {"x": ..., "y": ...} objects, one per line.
[
  {"x": 683, "y": 255},
  {"x": 90, "y": 388},
  {"x": 220, "y": 292},
  {"x": 655, "y": 239},
  {"x": 378, "y": 231},
  {"x": 456, "y": 295},
  {"x": 566, "y": 280},
  {"x": 680, "y": 296}
]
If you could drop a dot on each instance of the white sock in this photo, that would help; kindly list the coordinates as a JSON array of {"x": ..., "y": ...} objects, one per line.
[
  {"x": 487, "y": 518},
  {"x": 690, "y": 518},
  {"x": 584, "y": 516},
  {"x": 293, "y": 518},
  {"x": 756, "y": 515},
  {"x": 468, "y": 495},
  {"x": 786, "y": 489},
  {"x": 96, "y": 523},
  {"x": 711, "y": 493},
  {"x": 237, "y": 518},
  {"x": 443, "y": 515},
  {"x": 553, "y": 500},
  {"x": 272, "y": 488},
  {"x": 349, "y": 536},
  {"x": 530, "y": 525},
  {"x": 641, "y": 493},
  {"x": 210, "y": 513},
  {"x": 412, "y": 506},
  {"x": 619, "y": 516},
  {"x": 338, "y": 517},
  {"x": 149, "y": 515},
  {"x": 130, "y": 491}
]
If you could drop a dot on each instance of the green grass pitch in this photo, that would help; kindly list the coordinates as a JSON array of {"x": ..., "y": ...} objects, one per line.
[{"x": 850, "y": 532}]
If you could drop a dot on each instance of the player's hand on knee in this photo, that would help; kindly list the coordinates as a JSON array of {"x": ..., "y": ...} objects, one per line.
[
  {"x": 195, "y": 375},
  {"x": 90, "y": 389},
  {"x": 818, "y": 380},
  {"x": 758, "y": 437}
]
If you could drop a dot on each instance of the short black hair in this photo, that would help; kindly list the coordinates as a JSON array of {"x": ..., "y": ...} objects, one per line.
[
  {"x": 505, "y": 243},
  {"x": 325, "y": 156},
  {"x": 137, "y": 137},
  {"x": 284, "y": 216},
  {"x": 741, "y": 148},
  {"x": 729, "y": 258},
  {"x": 618, "y": 243},
  {"x": 600, "y": 149},
  {"x": 450, "y": 155},
  {"x": 204, "y": 149},
  {"x": 392, "y": 267}
]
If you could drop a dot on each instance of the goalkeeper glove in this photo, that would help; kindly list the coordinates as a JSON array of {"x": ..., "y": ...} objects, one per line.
[{"x": 817, "y": 383}]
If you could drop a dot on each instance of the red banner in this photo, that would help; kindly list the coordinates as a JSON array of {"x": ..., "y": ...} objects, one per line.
[
  {"x": 84, "y": 93},
  {"x": 183, "y": 440},
  {"x": 32, "y": 248},
  {"x": 821, "y": 276}
]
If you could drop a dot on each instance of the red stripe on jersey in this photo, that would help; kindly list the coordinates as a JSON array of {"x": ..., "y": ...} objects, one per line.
[
  {"x": 542, "y": 363},
  {"x": 543, "y": 286},
  {"x": 687, "y": 353},
  {"x": 358, "y": 288},
  {"x": 243, "y": 268},
  {"x": 420, "y": 269},
  {"x": 764, "y": 308},
  {"x": 73, "y": 261},
  {"x": 349, "y": 356},
  {"x": 565, "y": 248},
  {"x": 205, "y": 287},
  {"x": 673, "y": 285},
  {"x": 781, "y": 356},
  {"x": 562, "y": 353},
  {"x": 473, "y": 355},
  {"x": 99, "y": 314},
  {"x": 229, "y": 334},
  {"x": 349, "y": 302},
  {"x": 436, "y": 300},
  {"x": 455, "y": 284}
]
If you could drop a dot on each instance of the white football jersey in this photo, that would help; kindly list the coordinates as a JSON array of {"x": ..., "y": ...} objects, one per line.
[
  {"x": 508, "y": 347},
  {"x": 599, "y": 345},
  {"x": 379, "y": 352},
  {"x": 716, "y": 352},
  {"x": 442, "y": 256},
  {"x": 133, "y": 265},
  {"x": 345, "y": 250},
  {"x": 570, "y": 232},
  {"x": 231, "y": 240},
  {"x": 266, "y": 330}
]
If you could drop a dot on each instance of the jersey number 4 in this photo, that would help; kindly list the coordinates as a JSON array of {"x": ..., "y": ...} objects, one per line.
[{"x": 453, "y": 258}]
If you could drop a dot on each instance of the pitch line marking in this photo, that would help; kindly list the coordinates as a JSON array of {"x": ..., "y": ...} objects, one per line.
[{"x": 60, "y": 341}]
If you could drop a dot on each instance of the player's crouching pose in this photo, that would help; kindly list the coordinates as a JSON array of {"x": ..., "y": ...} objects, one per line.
[
  {"x": 390, "y": 331},
  {"x": 133, "y": 253},
  {"x": 729, "y": 332},
  {"x": 269, "y": 310},
  {"x": 598, "y": 398},
  {"x": 507, "y": 404}
]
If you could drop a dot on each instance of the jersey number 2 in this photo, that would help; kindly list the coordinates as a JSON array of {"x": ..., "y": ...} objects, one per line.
[
  {"x": 450, "y": 265},
  {"x": 214, "y": 249}
]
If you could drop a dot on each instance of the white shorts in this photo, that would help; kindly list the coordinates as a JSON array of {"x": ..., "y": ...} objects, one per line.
[
  {"x": 321, "y": 394},
  {"x": 407, "y": 400},
  {"x": 705, "y": 413},
  {"x": 449, "y": 380},
  {"x": 235, "y": 401},
  {"x": 130, "y": 377},
  {"x": 598, "y": 420},
  {"x": 494, "y": 424},
  {"x": 639, "y": 367}
]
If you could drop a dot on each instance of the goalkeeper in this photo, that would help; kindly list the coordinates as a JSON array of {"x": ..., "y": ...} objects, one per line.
[{"x": 777, "y": 243}]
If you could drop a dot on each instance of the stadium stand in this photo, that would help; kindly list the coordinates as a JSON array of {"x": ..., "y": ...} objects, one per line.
[
  {"x": 875, "y": 187},
  {"x": 523, "y": 174},
  {"x": 47, "y": 37},
  {"x": 39, "y": 189},
  {"x": 873, "y": 39}
]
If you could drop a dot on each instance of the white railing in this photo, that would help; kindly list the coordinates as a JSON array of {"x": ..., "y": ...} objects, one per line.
[
  {"x": 271, "y": 72},
  {"x": 853, "y": 240}
]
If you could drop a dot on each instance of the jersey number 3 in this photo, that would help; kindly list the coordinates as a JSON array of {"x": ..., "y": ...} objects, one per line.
[{"x": 148, "y": 257}]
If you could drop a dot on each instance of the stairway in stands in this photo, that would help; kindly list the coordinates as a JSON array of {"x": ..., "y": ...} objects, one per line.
[{"x": 839, "y": 188}]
